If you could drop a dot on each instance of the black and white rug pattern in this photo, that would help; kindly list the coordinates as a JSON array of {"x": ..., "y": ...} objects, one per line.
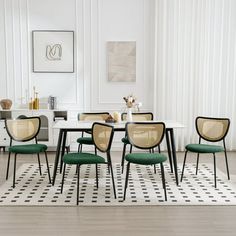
[{"x": 144, "y": 188}]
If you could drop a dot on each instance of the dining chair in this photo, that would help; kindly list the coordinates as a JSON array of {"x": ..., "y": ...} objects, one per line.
[
  {"x": 91, "y": 116},
  {"x": 24, "y": 130},
  {"x": 211, "y": 130},
  {"x": 147, "y": 136},
  {"x": 137, "y": 116},
  {"x": 102, "y": 136}
]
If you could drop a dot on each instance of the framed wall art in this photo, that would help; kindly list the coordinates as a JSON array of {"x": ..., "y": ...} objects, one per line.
[
  {"x": 121, "y": 57},
  {"x": 53, "y": 51}
]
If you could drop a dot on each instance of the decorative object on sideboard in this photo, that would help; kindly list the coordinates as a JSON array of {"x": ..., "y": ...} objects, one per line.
[
  {"x": 6, "y": 104},
  {"x": 31, "y": 104},
  {"x": 34, "y": 102},
  {"x": 52, "y": 103}
]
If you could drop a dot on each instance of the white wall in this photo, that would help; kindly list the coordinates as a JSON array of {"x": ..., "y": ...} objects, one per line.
[
  {"x": 195, "y": 49},
  {"x": 95, "y": 22}
]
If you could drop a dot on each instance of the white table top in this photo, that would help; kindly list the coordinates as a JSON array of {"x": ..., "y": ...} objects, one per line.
[{"x": 75, "y": 124}]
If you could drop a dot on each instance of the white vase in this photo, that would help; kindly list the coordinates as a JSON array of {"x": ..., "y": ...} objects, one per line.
[{"x": 129, "y": 115}]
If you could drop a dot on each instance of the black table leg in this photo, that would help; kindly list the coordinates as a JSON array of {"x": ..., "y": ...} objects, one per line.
[
  {"x": 174, "y": 155},
  {"x": 57, "y": 156},
  {"x": 63, "y": 149},
  {"x": 169, "y": 150}
]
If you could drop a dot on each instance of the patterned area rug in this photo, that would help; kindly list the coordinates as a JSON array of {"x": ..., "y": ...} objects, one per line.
[{"x": 145, "y": 187}]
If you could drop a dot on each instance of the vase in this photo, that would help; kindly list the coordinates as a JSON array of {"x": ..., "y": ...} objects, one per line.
[
  {"x": 129, "y": 115},
  {"x": 6, "y": 104}
]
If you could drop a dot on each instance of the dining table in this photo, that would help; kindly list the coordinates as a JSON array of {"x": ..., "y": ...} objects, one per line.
[{"x": 68, "y": 126}]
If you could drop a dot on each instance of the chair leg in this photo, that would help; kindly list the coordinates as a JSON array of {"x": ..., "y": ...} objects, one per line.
[
  {"x": 113, "y": 181},
  {"x": 79, "y": 147},
  {"x": 130, "y": 149},
  {"x": 197, "y": 163},
  {"x": 46, "y": 158},
  {"x": 96, "y": 175},
  {"x": 227, "y": 166},
  {"x": 126, "y": 180},
  {"x": 14, "y": 172},
  {"x": 182, "y": 174},
  {"x": 63, "y": 177},
  {"x": 154, "y": 166},
  {"x": 123, "y": 158},
  {"x": 169, "y": 151},
  {"x": 8, "y": 164},
  {"x": 61, "y": 164},
  {"x": 40, "y": 171},
  {"x": 214, "y": 156},
  {"x": 108, "y": 169},
  {"x": 163, "y": 180},
  {"x": 78, "y": 174}
]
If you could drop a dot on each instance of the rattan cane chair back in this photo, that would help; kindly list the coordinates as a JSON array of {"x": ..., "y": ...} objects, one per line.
[
  {"x": 23, "y": 130},
  {"x": 138, "y": 116},
  {"x": 145, "y": 135},
  {"x": 102, "y": 136},
  {"x": 101, "y": 116},
  {"x": 212, "y": 129},
  {"x": 93, "y": 116}
]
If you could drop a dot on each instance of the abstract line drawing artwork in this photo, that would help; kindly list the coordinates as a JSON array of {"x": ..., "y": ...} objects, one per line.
[
  {"x": 53, "y": 51},
  {"x": 121, "y": 61}
]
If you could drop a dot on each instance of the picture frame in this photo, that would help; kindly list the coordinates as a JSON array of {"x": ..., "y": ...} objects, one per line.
[
  {"x": 121, "y": 61},
  {"x": 53, "y": 51}
]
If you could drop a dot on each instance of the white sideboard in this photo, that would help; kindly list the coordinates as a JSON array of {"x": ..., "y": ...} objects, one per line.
[{"x": 47, "y": 134}]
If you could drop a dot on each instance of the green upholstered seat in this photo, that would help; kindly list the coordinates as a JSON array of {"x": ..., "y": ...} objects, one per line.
[
  {"x": 145, "y": 158},
  {"x": 28, "y": 148},
  {"x": 125, "y": 140},
  {"x": 85, "y": 140},
  {"x": 83, "y": 158},
  {"x": 204, "y": 148}
]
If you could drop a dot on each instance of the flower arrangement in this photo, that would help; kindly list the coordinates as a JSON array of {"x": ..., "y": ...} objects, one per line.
[{"x": 130, "y": 101}]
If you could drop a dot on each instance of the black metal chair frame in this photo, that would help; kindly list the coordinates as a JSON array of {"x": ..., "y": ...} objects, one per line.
[
  {"x": 36, "y": 141},
  {"x": 82, "y": 135},
  {"x": 152, "y": 151},
  {"x": 125, "y": 144},
  {"x": 109, "y": 163},
  {"x": 214, "y": 157}
]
